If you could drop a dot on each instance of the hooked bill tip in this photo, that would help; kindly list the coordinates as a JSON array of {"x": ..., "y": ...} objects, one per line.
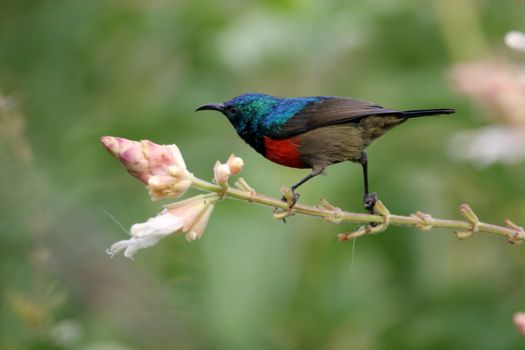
[{"x": 211, "y": 107}]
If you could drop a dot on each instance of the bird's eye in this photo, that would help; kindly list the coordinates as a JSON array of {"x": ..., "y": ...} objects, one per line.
[{"x": 233, "y": 110}]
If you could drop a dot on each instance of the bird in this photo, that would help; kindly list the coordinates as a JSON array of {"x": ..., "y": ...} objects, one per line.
[{"x": 313, "y": 132}]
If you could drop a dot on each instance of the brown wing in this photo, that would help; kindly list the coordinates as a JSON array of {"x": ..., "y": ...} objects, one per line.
[{"x": 329, "y": 111}]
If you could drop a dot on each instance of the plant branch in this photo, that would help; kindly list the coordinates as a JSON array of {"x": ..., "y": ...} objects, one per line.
[
  {"x": 373, "y": 223},
  {"x": 163, "y": 170}
]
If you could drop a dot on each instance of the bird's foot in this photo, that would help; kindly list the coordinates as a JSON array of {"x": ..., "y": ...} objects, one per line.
[
  {"x": 291, "y": 198},
  {"x": 369, "y": 201}
]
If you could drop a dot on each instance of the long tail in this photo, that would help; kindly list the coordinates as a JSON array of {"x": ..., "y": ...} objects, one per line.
[{"x": 426, "y": 112}]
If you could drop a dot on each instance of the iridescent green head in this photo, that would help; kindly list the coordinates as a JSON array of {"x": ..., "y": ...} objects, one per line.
[{"x": 245, "y": 111}]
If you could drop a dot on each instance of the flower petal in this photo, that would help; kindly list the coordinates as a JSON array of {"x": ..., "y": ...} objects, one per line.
[
  {"x": 161, "y": 186},
  {"x": 236, "y": 164},
  {"x": 177, "y": 156},
  {"x": 130, "y": 155},
  {"x": 159, "y": 157},
  {"x": 131, "y": 246},
  {"x": 117, "y": 247},
  {"x": 197, "y": 229},
  {"x": 221, "y": 173},
  {"x": 140, "y": 243},
  {"x": 162, "y": 224}
]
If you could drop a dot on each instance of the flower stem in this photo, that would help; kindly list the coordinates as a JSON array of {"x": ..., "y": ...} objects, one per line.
[{"x": 380, "y": 220}]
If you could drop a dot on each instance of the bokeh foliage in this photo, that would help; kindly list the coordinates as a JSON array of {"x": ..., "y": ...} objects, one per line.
[{"x": 74, "y": 70}]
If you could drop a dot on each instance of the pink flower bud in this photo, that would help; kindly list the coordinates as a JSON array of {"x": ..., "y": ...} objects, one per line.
[
  {"x": 221, "y": 173},
  {"x": 160, "y": 167},
  {"x": 130, "y": 155},
  {"x": 236, "y": 164}
]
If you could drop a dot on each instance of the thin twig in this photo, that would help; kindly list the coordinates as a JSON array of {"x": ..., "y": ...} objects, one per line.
[{"x": 373, "y": 223}]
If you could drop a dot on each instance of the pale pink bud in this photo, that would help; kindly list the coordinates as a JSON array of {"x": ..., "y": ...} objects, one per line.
[
  {"x": 236, "y": 164},
  {"x": 221, "y": 173},
  {"x": 519, "y": 321}
]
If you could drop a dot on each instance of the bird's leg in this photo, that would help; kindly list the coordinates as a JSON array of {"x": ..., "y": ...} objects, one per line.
[
  {"x": 315, "y": 171},
  {"x": 369, "y": 199}
]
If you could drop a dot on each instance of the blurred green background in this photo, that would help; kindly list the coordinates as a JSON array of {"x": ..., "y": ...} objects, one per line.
[{"x": 74, "y": 70}]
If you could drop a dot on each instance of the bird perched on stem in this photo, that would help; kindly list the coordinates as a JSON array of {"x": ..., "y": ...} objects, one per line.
[{"x": 313, "y": 132}]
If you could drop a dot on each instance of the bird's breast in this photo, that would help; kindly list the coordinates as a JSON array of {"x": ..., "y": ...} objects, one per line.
[{"x": 284, "y": 151}]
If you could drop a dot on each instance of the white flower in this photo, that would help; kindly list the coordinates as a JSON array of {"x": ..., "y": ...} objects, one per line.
[
  {"x": 189, "y": 216},
  {"x": 146, "y": 234}
]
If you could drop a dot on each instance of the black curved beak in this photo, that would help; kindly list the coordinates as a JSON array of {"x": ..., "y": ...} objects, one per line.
[{"x": 211, "y": 107}]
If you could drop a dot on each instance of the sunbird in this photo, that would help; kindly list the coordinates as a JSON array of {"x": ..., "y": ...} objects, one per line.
[{"x": 313, "y": 132}]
